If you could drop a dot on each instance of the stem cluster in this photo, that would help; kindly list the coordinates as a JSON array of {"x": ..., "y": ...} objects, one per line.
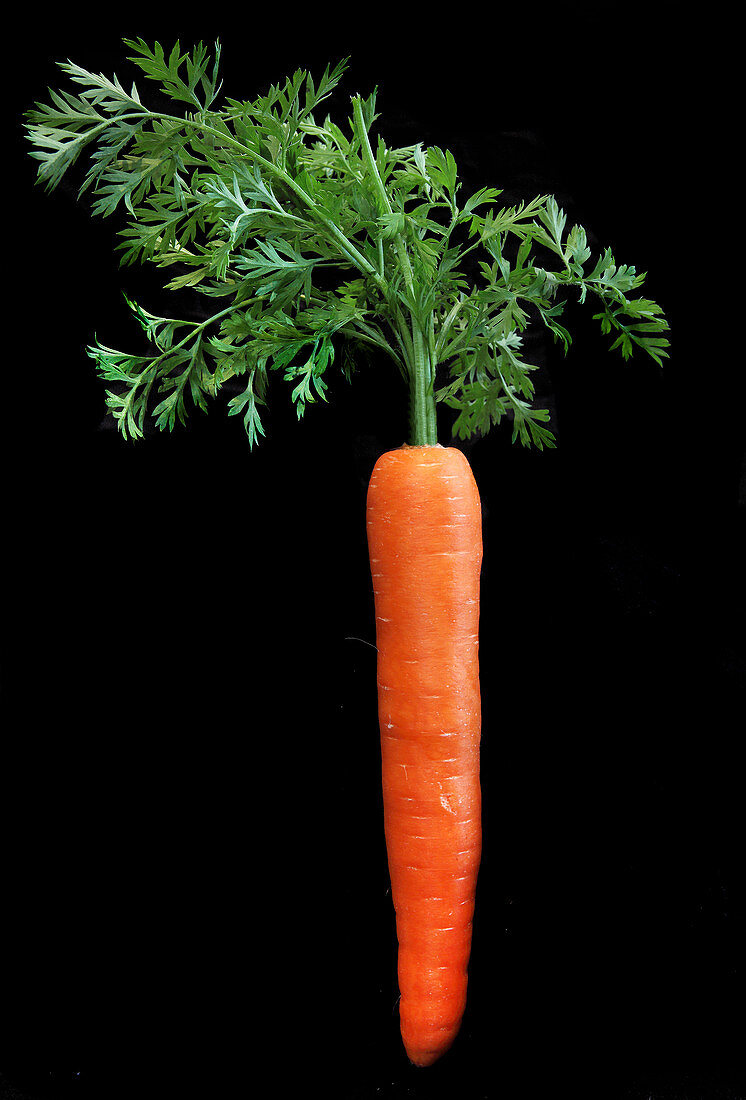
[{"x": 419, "y": 360}]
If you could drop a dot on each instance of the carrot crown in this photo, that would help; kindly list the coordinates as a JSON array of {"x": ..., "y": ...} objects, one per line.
[{"x": 312, "y": 241}]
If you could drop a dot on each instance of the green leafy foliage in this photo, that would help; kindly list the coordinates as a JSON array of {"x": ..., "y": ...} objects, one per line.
[{"x": 311, "y": 238}]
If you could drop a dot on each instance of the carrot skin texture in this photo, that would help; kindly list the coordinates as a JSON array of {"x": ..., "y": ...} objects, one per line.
[{"x": 424, "y": 527}]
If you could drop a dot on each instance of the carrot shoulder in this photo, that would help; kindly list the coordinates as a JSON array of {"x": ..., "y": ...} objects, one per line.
[{"x": 425, "y": 544}]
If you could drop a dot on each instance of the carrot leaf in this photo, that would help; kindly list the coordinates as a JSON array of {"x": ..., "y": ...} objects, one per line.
[{"x": 318, "y": 242}]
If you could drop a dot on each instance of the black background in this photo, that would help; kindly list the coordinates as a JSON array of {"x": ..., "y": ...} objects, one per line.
[{"x": 194, "y": 884}]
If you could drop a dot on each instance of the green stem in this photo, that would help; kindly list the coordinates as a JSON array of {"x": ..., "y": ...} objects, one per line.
[
  {"x": 431, "y": 407},
  {"x": 422, "y": 399},
  {"x": 445, "y": 327},
  {"x": 422, "y": 414}
]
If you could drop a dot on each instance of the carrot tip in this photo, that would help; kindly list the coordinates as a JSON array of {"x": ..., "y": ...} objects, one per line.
[
  {"x": 421, "y": 1055},
  {"x": 422, "y": 1058}
]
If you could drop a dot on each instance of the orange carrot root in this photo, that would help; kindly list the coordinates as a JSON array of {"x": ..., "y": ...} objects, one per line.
[{"x": 425, "y": 543}]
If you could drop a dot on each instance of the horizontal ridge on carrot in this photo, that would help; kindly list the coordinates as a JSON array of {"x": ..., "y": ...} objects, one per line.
[
  {"x": 311, "y": 245},
  {"x": 425, "y": 540}
]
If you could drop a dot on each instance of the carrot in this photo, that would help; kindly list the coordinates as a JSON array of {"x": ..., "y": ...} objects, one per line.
[
  {"x": 425, "y": 543},
  {"x": 281, "y": 193}
]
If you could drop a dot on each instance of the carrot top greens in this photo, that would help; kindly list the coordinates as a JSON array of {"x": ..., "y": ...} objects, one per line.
[{"x": 312, "y": 238}]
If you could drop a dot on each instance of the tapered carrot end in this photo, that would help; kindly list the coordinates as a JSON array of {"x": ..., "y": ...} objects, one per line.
[
  {"x": 421, "y": 1056},
  {"x": 426, "y": 1046},
  {"x": 424, "y": 1058}
]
